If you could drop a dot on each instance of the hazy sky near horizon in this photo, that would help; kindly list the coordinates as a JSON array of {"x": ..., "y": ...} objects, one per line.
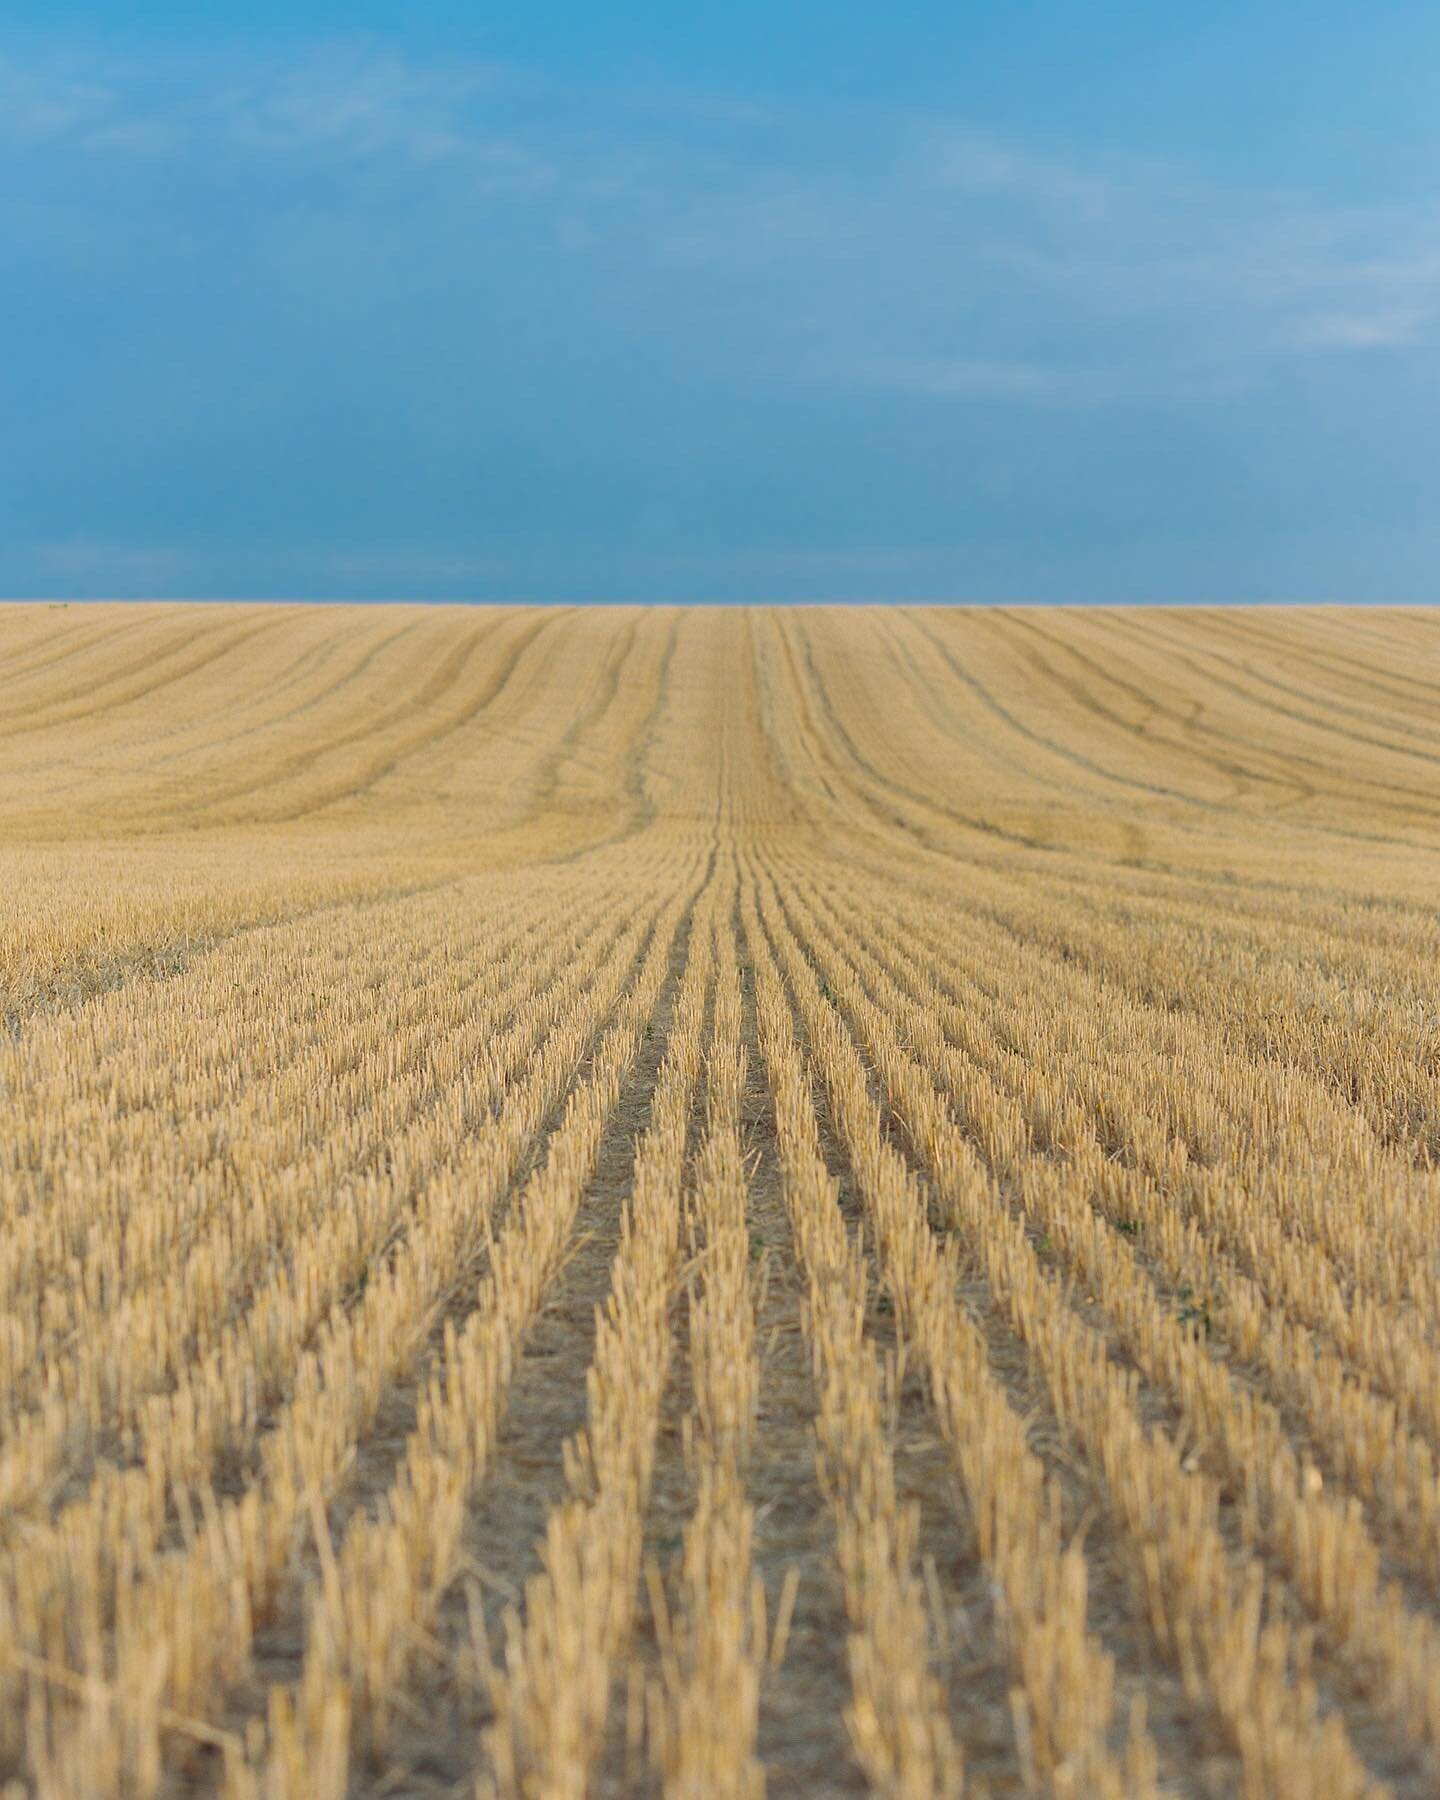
[{"x": 1037, "y": 300}]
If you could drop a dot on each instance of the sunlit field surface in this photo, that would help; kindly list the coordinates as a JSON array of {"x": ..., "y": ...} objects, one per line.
[{"x": 709, "y": 1203}]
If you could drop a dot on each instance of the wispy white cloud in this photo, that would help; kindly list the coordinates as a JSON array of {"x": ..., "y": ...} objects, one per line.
[
  {"x": 1390, "y": 328},
  {"x": 354, "y": 103},
  {"x": 44, "y": 101},
  {"x": 949, "y": 156},
  {"x": 917, "y": 256},
  {"x": 94, "y": 566},
  {"x": 340, "y": 100}
]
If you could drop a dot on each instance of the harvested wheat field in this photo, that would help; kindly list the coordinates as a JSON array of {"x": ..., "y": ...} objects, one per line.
[{"x": 719, "y": 1203}]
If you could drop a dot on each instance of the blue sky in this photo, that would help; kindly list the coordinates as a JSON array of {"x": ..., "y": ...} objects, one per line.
[{"x": 1027, "y": 301}]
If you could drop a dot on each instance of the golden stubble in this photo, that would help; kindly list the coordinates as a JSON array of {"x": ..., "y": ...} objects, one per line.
[{"x": 1084, "y": 974}]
